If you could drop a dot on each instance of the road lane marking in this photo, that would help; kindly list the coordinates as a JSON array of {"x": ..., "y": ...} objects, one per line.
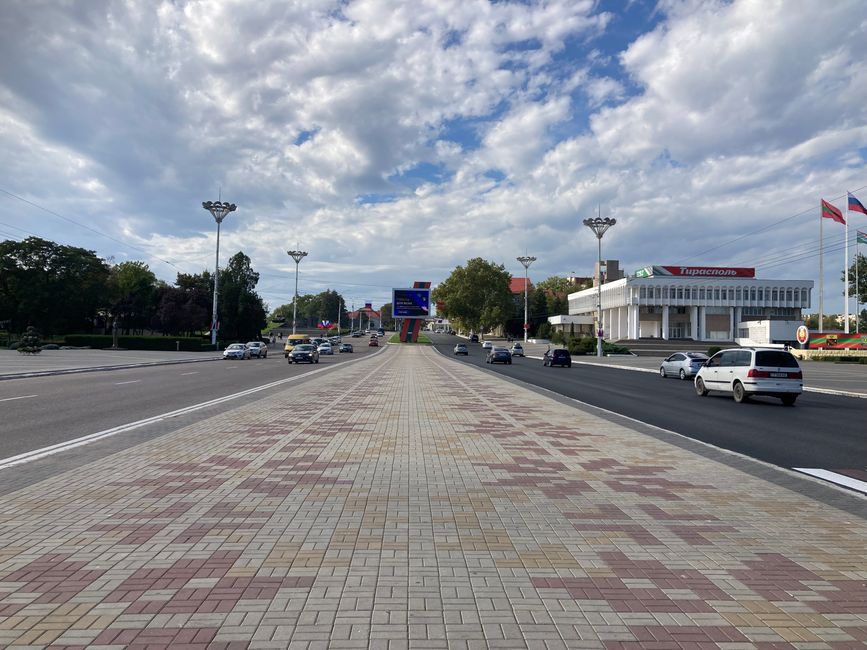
[
  {"x": 9, "y": 399},
  {"x": 834, "y": 477},
  {"x": 121, "y": 383},
  {"x": 189, "y": 373},
  {"x": 36, "y": 454}
]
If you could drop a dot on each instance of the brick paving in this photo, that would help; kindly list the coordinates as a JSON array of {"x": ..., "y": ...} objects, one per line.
[{"x": 411, "y": 501}]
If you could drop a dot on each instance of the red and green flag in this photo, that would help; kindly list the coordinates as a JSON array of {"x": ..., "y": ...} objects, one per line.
[
  {"x": 830, "y": 212},
  {"x": 862, "y": 237}
]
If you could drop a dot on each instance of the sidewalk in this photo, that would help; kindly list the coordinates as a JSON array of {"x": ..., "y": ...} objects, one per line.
[{"x": 422, "y": 505}]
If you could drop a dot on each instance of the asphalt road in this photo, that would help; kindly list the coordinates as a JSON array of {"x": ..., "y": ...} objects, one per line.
[
  {"x": 821, "y": 431},
  {"x": 42, "y": 411}
]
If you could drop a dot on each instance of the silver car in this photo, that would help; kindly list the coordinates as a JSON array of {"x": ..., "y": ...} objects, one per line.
[
  {"x": 258, "y": 349},
  {"x": 682, "y": 364}
]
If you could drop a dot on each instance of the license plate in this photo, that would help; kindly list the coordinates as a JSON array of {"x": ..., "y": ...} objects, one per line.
[{"x": 782, "y": 375}]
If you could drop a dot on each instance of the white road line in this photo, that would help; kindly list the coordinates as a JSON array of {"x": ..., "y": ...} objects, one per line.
[
  {"x": 834, "y": 477},
  {"x": 9, "y": 399},
  {"x": 121, "y": 383},
  {"x": 189, "y": 373},
  {"x": 35, "y": 454}
]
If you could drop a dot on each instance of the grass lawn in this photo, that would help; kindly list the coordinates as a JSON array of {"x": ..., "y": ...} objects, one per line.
[{"x": 422, "y": 338}]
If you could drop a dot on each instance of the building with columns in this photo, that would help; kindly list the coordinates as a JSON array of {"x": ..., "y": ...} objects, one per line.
[{"x": 691, "y": 302}]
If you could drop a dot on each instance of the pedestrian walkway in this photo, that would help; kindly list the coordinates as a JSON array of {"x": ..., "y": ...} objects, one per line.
[{"x": 410, "y": 500}]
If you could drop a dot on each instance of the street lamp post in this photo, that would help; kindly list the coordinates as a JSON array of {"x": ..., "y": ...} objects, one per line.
[
  {"x": 219, "y": 210},
  {"x": 599, "y": 226},
  {"x": 525, "y": 261},
  {"x": 297, "y": 256}
]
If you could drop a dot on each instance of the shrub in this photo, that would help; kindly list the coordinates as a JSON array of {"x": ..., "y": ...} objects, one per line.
[
  {"x": 712, "y": 350},
  {"x": 30, "y": 342},
  {"x": 164, "y": 343}
]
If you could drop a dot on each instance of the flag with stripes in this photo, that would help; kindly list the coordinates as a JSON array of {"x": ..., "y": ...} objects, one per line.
[
  {"x": 862, "y": 237},
  {"x": 830, "y": 212},
  {"x": 855, "y": 205}
]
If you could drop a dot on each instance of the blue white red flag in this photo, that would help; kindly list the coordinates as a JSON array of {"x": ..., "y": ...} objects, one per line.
[{"x": 856, "y": 206}]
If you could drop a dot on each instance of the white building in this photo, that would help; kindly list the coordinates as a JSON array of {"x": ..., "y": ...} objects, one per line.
[{"x": 699, "y": 303}]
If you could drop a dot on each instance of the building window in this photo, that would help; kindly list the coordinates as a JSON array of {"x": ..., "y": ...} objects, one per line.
[
  {"x": 761, "y": 293},
  {"x": 788, "y": 295},
  {"x": 774, "y": 295},
  {"x": 752, "y": 293},
  {"x": 716, "y": 293},
  {"x": 701, "y": 293},
  {"x": 680, "y": 293},
  {"x": 738, "y": 294},
  {"x": 804, "y": 297},
  {"x": 642, "y": 292}
]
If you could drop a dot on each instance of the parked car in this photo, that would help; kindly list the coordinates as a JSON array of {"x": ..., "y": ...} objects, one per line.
[
  {"x": 499, "y": 355},
  {"x": 745, "y": 372},
  {"x": 236, "y": 351},
  {"x": 345, "y": 347},
  {"x": 557, "y": 357},
  {"x": 682, "y": 364},
  {"x": 258, "y": 349},
  {"x": 373, "y": 343},
  {"x": 517, "y": 350},
  {"x": 474, "y": 338},
  {"x": 292, "y": 340},
  {"x": 487, "y": 345},
  {"x": 461, "y": 348},
  {"x": 305, "y": 352},
  {"x": 325, "y": 348}
]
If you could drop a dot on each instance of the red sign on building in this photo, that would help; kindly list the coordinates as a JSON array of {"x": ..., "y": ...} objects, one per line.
[{"x": 706, "y": 271}]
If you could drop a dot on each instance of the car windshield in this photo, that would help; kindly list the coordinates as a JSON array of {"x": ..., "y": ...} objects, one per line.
[
  {"x": 235, "y": 346},
  {"x": 303, "y": 348},
  {"x": 560, "y": 353},
  {"x": 696, "y": 355},
  {"x": 776, "y": 358}
]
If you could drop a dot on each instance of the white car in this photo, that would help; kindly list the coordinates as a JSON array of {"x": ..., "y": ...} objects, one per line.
[
  {"x": 487, "y": 345},
  {"x": 745, "y": 372},
  {"x": 517, "y": 350},
  {"x": 325, "y": 348},
  {"x": 236, "y": 351},
  {"x": 258, "y": 349}
]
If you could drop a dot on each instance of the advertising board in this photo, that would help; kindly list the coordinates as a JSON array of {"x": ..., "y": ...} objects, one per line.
[
  {"x": 410, "y": 303},
  {"x": 696, "y": 271}
]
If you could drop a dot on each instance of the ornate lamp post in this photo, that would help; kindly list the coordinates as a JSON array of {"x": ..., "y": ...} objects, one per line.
[
  {"x": 525, "y": 261},
  {"x": 599, "y": 226},
  {"x": 297, "y": 256},
  {"x": 219, "y": 210}
]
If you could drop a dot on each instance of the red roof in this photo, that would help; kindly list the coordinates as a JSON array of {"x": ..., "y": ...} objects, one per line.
[{"x": 516, "y": 285}]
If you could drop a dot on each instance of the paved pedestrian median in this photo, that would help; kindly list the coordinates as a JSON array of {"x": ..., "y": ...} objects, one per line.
[{"x": 411, "y": 500}]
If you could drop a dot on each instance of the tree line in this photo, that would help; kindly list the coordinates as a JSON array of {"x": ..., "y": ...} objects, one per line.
[
  {"x": 63, "y": 289},
  {"x": 476, "y": 297}
]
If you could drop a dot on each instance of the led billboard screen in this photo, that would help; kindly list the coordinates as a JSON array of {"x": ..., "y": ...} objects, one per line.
[{"x": 410, "y": 303}]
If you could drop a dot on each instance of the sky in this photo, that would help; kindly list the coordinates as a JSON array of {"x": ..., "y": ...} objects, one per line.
[{"x": 395, "y": 140}]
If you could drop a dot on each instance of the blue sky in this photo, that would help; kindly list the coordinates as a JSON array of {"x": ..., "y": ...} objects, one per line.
[{"x": 396, "y": 140}]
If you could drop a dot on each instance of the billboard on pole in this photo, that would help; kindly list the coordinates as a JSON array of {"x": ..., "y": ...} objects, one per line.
[{"x": 410, "y": 303}]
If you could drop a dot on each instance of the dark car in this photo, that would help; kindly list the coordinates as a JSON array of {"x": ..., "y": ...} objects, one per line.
[
  {"x": 499, "y": 355},
  {"x": 345, "y": 347},
  {"x": 461, "y": 348},
  {"x": 304, "y": 352},
  {"x": 557, "y": 357},
  {"x": 474, "y": 338},
  {"x": 373, "y": 343}
]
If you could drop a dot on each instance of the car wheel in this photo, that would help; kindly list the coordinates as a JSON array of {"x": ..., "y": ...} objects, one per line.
[
  {"x": 265, "y": 356},
  {"x": 510, "y": 363},
  {"x": 700, "y": 390},
  {"x": 662, "y": 372},
  {"x": 317, "y": 361},
  {"x": 682, "y": 373},
  {"x": 568, "y": 365},
  {"x": 288, "y": 360},
  {"x": 738, "y": 392},
  {"x": 789, "y": 399}
]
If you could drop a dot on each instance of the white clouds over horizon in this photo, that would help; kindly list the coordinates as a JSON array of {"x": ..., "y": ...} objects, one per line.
[{"x": 396, "y": 140}]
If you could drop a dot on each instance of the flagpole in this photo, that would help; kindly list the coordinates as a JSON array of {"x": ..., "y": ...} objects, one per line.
[
  {"x": 821, "y": 273},
  {"x": 846, "y": 266}
]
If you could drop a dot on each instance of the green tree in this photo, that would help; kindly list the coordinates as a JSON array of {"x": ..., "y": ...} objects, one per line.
[
  {"x": 184, "y": 309},
  {"x": 134, "y": 294},
  {"x": 241, "y": 311},
  {"x": 386, "y": 311},
  {"x": 538, "y": 309},
  {"x": 477, "y": 296},
  {"x": 59, "y": 288},
  {"x": 859, "y": 265}
]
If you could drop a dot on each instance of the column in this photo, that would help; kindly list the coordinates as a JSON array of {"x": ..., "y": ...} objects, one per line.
[
  {"x": 693, "y": 323},
  {"x": 731, "y": 323},
  {"x": 665, "y": 322},
  {"x": 702, "y": 323},
  {"x": 634, "y": 322}
]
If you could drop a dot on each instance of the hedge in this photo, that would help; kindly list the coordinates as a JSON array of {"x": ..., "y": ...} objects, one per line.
[{"x": 102, "y": 341}]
